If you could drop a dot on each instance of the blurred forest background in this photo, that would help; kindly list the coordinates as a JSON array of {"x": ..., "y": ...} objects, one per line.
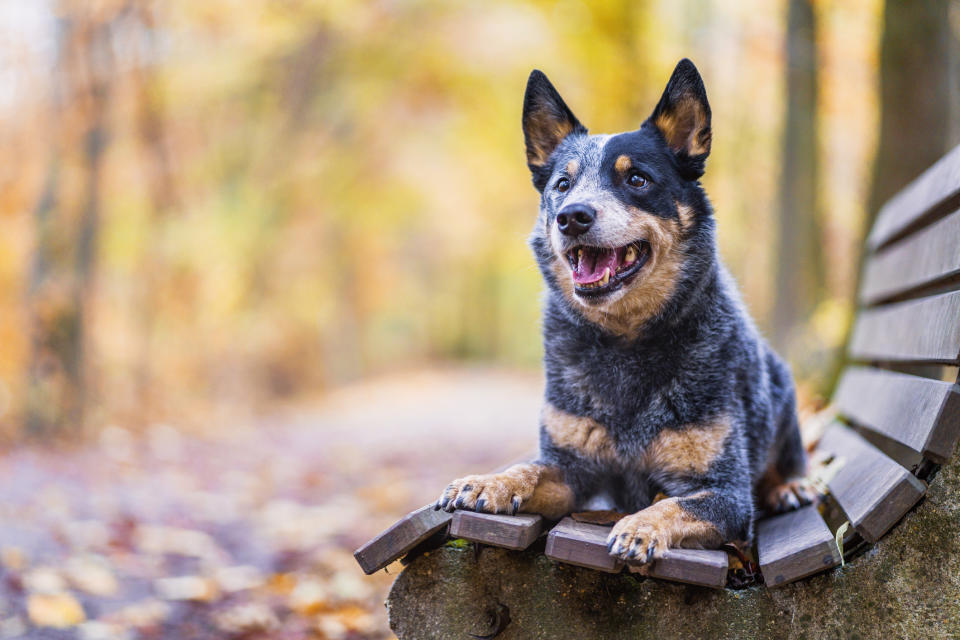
[
  {"x": 227, "y": 203},
  {"x": 306, "y": 221}
]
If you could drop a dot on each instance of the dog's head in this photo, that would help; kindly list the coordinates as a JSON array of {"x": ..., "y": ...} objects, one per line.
[{"x": 617, "y": 212}]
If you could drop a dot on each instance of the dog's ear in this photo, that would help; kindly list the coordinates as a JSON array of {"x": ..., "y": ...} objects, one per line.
[
  {"x": 546, "y": 122},
  {"x": 683, "y": 117}
]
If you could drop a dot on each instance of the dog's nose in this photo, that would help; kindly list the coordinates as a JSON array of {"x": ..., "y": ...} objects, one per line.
[{"x": 576, "y": 219}]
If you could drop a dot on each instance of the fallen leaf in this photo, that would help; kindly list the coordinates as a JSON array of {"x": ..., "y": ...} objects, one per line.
[
  {"x": 13, "y": 558},
  {"x": 246, "y": 618},
  {"x": 238, "y": 578},
  {"x": 174, "y": 540},
  {"x": 309, "y": 596},
  {"x": 96, "y": 630},
  {"x": 54, "y": 610},
  {"x": 44, "y": 580},
  {"x": 142, "y": 615},
  {"x": 92, "y": 575},
  {"x": 13, "y": 627},
  {"x": 186, "y": 588}
]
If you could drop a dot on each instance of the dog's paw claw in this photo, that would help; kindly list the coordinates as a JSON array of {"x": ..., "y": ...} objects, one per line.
[
  {"x": 495, "y": 493},
  {"x": 635, "y": 540}
]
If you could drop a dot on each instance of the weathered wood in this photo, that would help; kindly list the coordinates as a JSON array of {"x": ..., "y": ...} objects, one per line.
[
  {"x": 511, "y": 532},
  {"x": 585, "y": 545},
  {"x": 936, "y": 190},
  {"x": 400, "y": 537},
  {"x": 873, "y": 490},
  {"x": 795, "y": 545},
  {"x": 927, "y": 257},
  {"x": 922, "y": 414},
  {"x": 582, "y": 544},
  {"x": 703, "y": 567},
  {"x": 925, "y": 330}
]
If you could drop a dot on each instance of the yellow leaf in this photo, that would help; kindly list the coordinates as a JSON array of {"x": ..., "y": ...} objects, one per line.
[
  {"x": 839, "y": 538},
  {"x": 54, "y": 610}
]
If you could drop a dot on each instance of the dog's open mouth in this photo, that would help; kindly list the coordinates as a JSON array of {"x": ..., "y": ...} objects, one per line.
[{"x": 599, "y": 270}]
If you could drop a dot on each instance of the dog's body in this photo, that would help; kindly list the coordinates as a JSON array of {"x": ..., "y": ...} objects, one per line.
[{"x": 657, "y": 381}]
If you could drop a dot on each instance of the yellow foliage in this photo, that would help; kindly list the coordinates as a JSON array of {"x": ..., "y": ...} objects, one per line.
[{"x": 295, "y": 194}]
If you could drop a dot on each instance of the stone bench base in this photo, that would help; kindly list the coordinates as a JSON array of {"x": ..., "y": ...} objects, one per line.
[{"x": 907, "y": 586}]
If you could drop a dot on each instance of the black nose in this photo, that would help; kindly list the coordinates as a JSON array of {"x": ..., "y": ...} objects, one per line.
[{"x": 576, "y": 219}]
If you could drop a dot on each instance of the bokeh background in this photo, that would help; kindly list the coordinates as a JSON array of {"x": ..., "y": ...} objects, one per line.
[{"x": 264, "y": 282}]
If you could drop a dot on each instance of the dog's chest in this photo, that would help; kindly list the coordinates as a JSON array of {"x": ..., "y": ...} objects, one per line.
[{"x": 616, "y": 392}]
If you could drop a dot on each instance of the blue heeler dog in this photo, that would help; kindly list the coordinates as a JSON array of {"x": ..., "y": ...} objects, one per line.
[{"x": 657, "y": 382}]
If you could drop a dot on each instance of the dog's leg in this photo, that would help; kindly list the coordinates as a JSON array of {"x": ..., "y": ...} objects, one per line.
[
  {"x": 779, "y": 491},
  {"x": 704, "y": 519},
  {"x": 784, "y": 485},
  {"x": 529, "y": 487}
]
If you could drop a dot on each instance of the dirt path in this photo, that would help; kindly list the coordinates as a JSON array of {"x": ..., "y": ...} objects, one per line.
[{"x": 247, "y": 533}]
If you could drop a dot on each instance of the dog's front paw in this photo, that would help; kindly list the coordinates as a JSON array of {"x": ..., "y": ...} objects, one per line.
[
  {"x": 495, "y": 493},
  {"x": 790, "y": 495},
  {"x": 638, "y": 538}
]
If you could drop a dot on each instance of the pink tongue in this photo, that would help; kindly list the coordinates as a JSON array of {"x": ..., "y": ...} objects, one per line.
[{"x": 593, "y": 265}]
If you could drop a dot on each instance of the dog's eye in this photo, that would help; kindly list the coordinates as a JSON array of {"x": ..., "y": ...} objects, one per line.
[
  {"x": 636, "y": 180},
  {"x": 562, "y": 185}
]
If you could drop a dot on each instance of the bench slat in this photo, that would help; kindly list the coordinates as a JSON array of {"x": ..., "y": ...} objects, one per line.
[
  {"x": 400, "y": 538},
  {"x": 582, "y": 544},
  {"x": 703, "y": 567},
  {"x": 510, "y": 532},
  {"x": 795, "y": 545},
  {"x": 929, "y": 256},
  {"x": 585, "y": 545},
  {"x": 921, "y": 414},
  {"x": 873, "y": 490},
  {"x": 925, "y": 330},
  {"x": 935, "y": 189}
]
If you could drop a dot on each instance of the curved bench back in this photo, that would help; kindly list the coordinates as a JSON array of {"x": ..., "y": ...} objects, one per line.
[{"x": 891, "y": 420}]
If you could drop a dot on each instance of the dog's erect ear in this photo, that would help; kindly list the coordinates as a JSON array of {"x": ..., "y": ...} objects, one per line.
[
  {"x": 547, "y": 120},
  {"x": 683, "y": 117}
]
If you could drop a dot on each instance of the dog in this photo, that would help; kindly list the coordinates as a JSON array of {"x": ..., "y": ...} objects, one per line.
[{"x": 661, "y": 396}]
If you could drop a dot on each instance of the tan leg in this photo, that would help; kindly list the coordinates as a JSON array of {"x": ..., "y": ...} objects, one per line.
[
  {"x": 528, "y": 487},
  {"x": 645, "y": 535}
]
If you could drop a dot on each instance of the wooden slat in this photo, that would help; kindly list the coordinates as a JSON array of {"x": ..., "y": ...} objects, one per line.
[
  {"x": 511, "y": 532},
  {"x": 922, "y": 414},
  {"x": 585, "y": 545},
  {"x": 400, "y": 537},
  {"x": 703, "y": 567},
  {"x": 873, "y": 490},
  {"x": 408, "y": 532},
  {"x": 925, "y": 330},
  {"x": 582, "y": 544},
  {"x": 937, "y": 188},
  {"x": 928, "y": 256},
  {"x": 795, "y": 545}
]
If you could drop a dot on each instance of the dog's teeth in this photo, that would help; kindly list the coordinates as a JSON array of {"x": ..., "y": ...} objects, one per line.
[
  {"x": 606, "y": 277},
  {"x": 631, "y": 254},
  {"x": 579, "y": 255}
]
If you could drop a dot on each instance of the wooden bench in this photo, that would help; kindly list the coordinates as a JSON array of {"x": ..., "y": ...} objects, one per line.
[{"x": 892, "y": 425}]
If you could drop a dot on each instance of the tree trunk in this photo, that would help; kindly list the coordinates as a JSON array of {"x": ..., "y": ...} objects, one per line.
[
  {"x": 151, "y": 129},
  {"x": 916, "y": 88},
  {"x": 799, "y": 280},
  {"x": 60, "y": 290}
]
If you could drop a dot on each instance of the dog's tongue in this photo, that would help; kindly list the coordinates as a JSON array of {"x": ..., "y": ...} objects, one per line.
[{"x": 593, "y": 264}]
